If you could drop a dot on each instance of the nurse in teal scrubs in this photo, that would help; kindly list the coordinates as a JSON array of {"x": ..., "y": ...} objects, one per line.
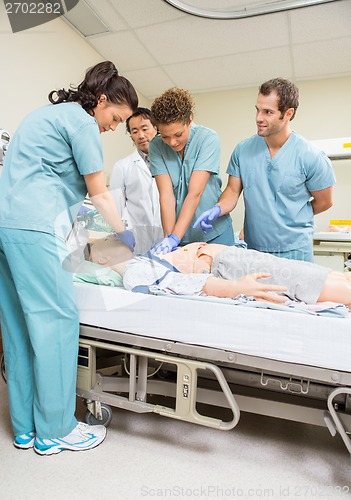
[
  {"x": 53, "y": 160},
  {"x": 185, "y": 161},
  {"x": 285, "y": 180}
]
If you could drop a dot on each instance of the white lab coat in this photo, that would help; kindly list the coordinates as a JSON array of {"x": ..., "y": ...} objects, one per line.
[{"x": 136, "y": 195}]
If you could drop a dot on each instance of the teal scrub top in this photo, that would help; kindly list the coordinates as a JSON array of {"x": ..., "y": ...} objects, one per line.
[
  {"x": 277, "y": 191},
  {"x": 202, "y": 152},
  {"x": 42, "y": 184}
]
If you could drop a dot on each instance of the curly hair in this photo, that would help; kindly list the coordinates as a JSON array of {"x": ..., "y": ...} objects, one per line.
[
  {"x": 174, "y": 105},
  {"x": 103, "y": 78},
  {"x": 287, "y": 92}
]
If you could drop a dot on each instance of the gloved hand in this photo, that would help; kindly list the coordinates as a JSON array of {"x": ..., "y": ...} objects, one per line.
[
  {"x": 206, "y": 217},
  {"x": 166, "y": 245},
  {"x": 127, "y": 237}
]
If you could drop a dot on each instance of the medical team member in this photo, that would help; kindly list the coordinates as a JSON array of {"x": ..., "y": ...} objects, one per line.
[
  {"x": 285, "y": 179},
  {"x": 185, "y": 161},
  {"x": 54, "y": 158},
  {"x": 133, "y": 187}
]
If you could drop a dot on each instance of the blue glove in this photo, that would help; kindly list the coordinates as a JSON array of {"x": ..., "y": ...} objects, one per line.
[
  {"x": 206, "y": 217},
  {"x": 127, "y": 237},
  {"x": 166, "y": 245}
]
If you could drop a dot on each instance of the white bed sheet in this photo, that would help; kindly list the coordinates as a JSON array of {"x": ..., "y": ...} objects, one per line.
[{"x": 323, "y": 342}]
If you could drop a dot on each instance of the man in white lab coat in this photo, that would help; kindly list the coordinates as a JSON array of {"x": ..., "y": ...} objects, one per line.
[{"x": 132, "y": 186}]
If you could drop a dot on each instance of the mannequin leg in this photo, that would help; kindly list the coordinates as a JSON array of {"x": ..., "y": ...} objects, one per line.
[{"x": 337, "y": 288}]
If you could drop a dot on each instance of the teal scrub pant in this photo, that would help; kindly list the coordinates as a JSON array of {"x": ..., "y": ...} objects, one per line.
[{"x": 40, "y": 332}]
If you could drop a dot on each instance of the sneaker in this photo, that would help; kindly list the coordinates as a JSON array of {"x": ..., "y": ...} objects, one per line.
[
  {"x": 25, "y": 441},
  {"x": 83, "y": 437}
]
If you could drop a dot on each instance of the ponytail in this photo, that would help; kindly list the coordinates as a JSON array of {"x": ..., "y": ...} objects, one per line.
[{"x": 103, "y": 78}]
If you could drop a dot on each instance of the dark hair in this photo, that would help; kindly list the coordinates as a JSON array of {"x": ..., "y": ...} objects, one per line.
[
  {"x": 103, "y": 78},
  {"x": 287, "y": 92},
  {"x": 144, "y": 112},
  {"x": 174, "y": 105}
]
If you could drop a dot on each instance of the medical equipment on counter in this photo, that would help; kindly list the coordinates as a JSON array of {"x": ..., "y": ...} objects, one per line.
[
  {"x": 333, "y": 248},
  {"x": 335, "y": 149},
  {"x": 332, "y": 252},
  {"x": 340, "y": 226},
  {"x": 4, "y": 144}
]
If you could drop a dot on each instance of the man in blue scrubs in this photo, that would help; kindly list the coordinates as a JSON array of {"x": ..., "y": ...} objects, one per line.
[{"x": 285, "y": 179}]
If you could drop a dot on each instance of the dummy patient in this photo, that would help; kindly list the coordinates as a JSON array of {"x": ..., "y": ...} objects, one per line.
[{"x": 224, "y": 271}]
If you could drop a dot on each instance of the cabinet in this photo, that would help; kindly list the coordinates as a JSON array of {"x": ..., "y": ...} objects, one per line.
[{"x": 332, "y": 249}]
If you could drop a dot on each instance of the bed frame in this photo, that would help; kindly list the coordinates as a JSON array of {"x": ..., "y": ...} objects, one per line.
[{"x": 189, "y": 382}]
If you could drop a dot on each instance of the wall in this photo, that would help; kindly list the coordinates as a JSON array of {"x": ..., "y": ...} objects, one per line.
[
  {"x": 324, "y": 112},
  {"x": 36, "y": 61}
]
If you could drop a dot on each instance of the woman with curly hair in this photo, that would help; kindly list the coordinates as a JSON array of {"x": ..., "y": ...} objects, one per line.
[
  {"x": 185, "y": 163},
  {"x": 53, "y": 160}
]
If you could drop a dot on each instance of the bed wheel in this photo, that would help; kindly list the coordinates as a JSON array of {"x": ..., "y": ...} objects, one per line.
[
  {"x": 3, "y": 373},
  {"x": 106, "y": 414}
]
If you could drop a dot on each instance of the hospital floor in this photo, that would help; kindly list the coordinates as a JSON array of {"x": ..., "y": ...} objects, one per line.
[{"x": 148, "y": 456}]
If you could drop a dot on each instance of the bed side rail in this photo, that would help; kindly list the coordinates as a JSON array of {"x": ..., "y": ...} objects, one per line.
[
  {"x": 186, "y": 385},
  {"x": 187, "y": 392},
  {"x": 333, "y": 420}
]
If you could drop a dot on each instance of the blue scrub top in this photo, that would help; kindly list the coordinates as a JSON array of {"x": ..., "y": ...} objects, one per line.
[
  {"x": 277, "y": 191},
  {"x": 202, "y": 152},
  {"x": 42, "y": 184}
]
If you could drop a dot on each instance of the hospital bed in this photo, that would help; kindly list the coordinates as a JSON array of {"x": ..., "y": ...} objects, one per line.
[{"x": 186, "y": 358}]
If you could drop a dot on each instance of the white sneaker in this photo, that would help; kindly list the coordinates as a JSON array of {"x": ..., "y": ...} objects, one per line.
[
  {"x": 83, "y": 437},
  {"x": 25, "y": 441}
]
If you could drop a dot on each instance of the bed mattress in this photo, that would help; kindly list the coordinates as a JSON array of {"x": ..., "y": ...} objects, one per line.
[{"x": 323, "y": 342}]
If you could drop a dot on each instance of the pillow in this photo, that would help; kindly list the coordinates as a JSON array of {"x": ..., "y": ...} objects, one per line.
[{"x": 90, "y": 272}]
